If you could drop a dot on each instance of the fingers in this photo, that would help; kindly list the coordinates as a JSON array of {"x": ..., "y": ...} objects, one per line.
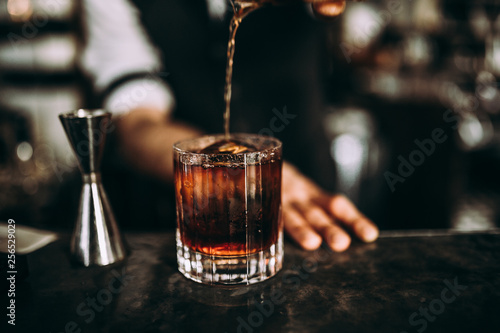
[
  {"x": 328, "y": 9},
  {"x": 300, "y": 230},
  {"x": 336, "y": 238},
  {"x": 345, "y": 211},
  {"x": 310, "y": 215}
]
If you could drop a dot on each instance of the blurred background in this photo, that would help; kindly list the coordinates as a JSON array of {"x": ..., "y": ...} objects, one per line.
[{"x": 407, "y": 127}]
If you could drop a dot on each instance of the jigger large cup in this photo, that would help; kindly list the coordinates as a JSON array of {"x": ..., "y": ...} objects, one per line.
[{"x": 96, "y": 239}]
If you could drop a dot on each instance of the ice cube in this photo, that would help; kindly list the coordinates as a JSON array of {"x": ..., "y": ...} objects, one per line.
[{"x": 232, "y": 146}]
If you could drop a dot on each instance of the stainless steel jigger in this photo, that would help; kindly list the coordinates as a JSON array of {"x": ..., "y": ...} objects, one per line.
[{"x": 96, "y": 238}]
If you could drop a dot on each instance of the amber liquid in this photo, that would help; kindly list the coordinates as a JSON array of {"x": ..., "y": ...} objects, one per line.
[
  {"x": 241, "y": 9},
  {"x": 226, "y": 210}
]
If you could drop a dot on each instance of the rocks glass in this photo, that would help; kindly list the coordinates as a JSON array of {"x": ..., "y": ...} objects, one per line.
[{"x": 228, "y": 201}]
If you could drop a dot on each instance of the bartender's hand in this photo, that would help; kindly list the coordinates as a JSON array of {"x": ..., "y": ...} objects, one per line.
[
  {"x": 329, "y": 8},
  {"x": 312, "y": 216}
]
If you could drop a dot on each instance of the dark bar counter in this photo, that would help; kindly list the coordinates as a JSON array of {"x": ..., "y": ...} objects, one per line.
[{"x": 405, "y": 282}]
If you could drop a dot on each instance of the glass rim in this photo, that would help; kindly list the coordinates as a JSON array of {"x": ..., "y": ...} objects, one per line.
[
  {"x": 268, "y": 149},
  {"x": 277, "y": 144}
]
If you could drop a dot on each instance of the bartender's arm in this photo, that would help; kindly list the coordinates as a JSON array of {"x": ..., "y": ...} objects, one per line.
[{"x": 118, "y": 55}]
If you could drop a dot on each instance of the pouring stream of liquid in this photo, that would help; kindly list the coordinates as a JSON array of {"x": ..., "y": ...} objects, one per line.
[{"x": 241, "y": 9}]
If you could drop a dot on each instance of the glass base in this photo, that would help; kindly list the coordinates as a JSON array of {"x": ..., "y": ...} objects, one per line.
[{"x": 230, "y": 270}]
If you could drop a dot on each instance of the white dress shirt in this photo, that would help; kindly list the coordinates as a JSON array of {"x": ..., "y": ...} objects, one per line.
[{"x": 117, "y": 46}]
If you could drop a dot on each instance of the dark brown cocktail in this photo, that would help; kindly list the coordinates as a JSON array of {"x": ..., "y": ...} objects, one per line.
[{"x": 228, "y": 195}]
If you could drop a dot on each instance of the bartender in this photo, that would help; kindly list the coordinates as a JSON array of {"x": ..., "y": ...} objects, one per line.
[{"x": 160, "y": 68}]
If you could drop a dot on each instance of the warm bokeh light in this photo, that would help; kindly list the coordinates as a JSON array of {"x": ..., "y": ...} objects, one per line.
[
  {"x": 329, "y": 9},
  {"x": 20, "y": 10}
]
